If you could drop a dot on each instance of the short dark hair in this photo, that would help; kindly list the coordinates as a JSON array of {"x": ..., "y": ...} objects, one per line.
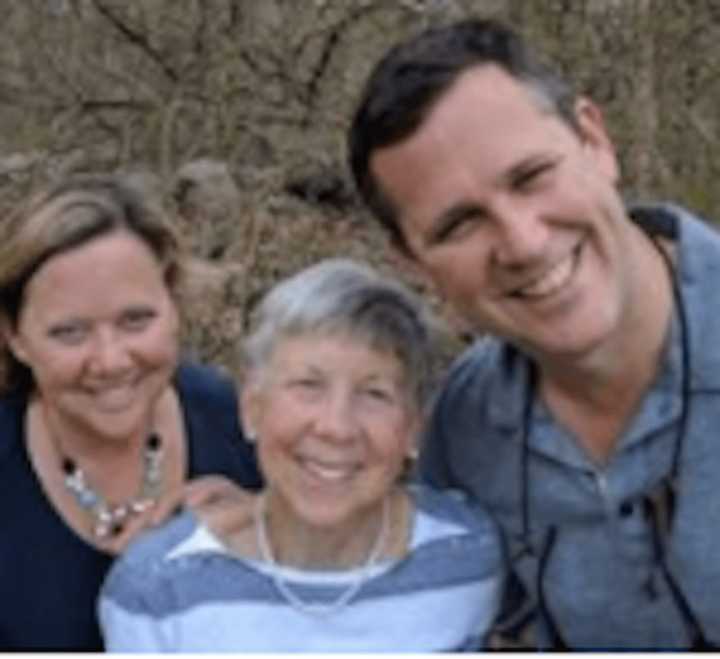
[{"x": 412, "y": 77}]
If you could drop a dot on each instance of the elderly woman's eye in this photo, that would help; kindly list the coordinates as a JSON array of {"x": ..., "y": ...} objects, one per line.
[
  {"x": 380, "y": 394},
  {"x": 306, "y": 383}
]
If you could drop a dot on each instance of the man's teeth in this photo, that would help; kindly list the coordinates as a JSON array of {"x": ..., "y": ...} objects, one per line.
[{"x": 551, "y": 281}]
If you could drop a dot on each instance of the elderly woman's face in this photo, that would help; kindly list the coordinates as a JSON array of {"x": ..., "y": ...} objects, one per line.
[
  {"x": 334, "y": 422},
  {"x": 98, "y": 328}
]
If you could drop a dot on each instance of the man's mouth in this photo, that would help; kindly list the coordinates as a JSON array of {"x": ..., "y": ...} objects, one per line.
[{"x": 552, "y": 280}]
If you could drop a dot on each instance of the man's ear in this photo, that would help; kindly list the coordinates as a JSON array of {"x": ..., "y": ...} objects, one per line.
[{"x": 595, "y": 137}]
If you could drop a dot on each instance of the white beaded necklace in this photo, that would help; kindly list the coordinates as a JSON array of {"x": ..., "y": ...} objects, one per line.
[
  {"x": 110, "y": 519},
  {"x": 267, "y": 555}
]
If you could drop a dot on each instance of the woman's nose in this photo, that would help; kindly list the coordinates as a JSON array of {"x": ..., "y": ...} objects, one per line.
[
  {"x": 109, "y": 353},
  {"x": 336, "y": 418}
]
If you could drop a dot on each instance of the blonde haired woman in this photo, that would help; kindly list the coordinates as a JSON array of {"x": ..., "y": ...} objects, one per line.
[{"x": 101, "y": 423}]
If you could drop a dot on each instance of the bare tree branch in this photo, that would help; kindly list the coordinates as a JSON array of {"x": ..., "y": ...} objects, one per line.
[{"x": 136, "y": 39}]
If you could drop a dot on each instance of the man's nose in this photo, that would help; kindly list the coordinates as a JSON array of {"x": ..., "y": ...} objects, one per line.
[{"x": 521, "y": 235}]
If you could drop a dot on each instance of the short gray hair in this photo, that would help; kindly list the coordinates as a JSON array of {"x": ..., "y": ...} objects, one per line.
[{"x": 341, "y": 296}]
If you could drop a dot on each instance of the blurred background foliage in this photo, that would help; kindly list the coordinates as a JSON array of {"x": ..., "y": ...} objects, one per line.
[{"x": 233, "y": 112}]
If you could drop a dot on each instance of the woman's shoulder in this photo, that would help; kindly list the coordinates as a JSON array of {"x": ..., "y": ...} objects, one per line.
[
  {"x": 12, "y": 412},
  {"x": 208, "y": 398},
  {"x": 159, "y": 553},
  {"x": 199, "y": 381}
]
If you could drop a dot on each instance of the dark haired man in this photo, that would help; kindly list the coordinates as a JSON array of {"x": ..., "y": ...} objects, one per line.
[{"x": 588, "y": 419}]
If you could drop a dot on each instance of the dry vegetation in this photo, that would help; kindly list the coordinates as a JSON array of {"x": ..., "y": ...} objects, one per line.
[{"x": 261, "y": 92}]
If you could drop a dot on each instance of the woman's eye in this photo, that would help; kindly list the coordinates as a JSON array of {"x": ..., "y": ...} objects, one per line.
[
  {"x": 379, "y": 394},
  {"x": 69, "y": 334},
  {"x": 137, "y": 320}
]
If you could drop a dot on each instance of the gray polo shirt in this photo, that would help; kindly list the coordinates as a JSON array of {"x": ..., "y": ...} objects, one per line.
[{"x": 601, "y": 580}]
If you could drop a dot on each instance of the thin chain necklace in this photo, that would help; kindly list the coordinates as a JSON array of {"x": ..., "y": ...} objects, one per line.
[
  {"x": 110, "y": 518},
  {"x": 292, "y": 598}
]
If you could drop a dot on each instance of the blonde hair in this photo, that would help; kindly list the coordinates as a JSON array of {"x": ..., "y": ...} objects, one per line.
[{"x": 66, "y": 215}]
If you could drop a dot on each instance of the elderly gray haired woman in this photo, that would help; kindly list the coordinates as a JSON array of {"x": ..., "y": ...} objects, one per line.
[{"x": 343, "y": 555}]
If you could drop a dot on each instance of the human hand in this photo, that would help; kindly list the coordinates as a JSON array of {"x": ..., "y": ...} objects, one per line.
[
  {"x": 156, "y": 513},
  {"x": 221, "y": 504}
]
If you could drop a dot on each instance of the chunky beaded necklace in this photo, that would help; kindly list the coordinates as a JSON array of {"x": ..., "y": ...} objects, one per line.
[
  {"x": 292, "y": 598},
  {"x": 110, "y": 518}
]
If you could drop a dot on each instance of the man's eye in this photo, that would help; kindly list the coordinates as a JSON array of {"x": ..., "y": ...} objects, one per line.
[
  {"x": 527, "y": 178},
  {"x": 306, "y": 384},
  {"x": 458, "y": 227}
]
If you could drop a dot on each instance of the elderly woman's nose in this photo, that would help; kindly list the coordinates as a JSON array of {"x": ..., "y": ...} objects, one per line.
[{"x": 336, "y": 418}]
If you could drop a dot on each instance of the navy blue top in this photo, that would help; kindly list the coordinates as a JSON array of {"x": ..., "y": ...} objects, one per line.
[{"x": 49, "y": 576}]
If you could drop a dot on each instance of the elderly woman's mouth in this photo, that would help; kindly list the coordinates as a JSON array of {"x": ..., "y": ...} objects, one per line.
[{"x": 333, "y": 472}]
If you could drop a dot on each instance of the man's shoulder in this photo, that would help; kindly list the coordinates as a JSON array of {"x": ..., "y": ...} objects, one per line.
[
  {"x": 696, "y": 234},
  {"x": 699, "y": 279},
  {"x": 475, "y": 365},
  {"x": 699, "y": 248},
  {"x": 489, "y": 369}
]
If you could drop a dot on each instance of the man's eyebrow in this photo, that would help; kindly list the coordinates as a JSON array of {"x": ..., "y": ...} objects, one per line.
[{"x": 531, "y": 162}]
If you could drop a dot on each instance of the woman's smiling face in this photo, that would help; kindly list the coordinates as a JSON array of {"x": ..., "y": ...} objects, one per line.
[
  {"x": 334, "y": 420},
  {"x": 98, "y": 328}
]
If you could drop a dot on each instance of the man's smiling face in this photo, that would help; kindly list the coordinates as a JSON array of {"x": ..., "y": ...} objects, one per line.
[{"x": 513, "y": 214}]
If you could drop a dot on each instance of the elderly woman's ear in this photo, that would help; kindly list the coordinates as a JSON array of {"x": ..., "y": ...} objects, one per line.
[
  {"x": 413, "y": 443},
  {"x": 250, "y": 408}
]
